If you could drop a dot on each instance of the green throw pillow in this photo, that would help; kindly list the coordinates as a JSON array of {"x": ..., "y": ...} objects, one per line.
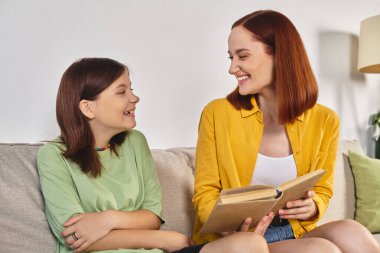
[{"x": 366, "y": 173}]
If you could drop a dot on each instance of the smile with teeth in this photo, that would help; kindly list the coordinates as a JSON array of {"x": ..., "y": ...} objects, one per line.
[
  {"x": 130, "y": 113},
  {"x": 242, "y": 78}
]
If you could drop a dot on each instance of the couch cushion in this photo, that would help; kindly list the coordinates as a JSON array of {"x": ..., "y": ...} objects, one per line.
[
  {"x": 342, "y": 204},
  {"x": 377, "y": 237},
  {"x": 175, "y": 168},
  {"x": 23, "y": 224},
  {"x": 367, "y": 181}
]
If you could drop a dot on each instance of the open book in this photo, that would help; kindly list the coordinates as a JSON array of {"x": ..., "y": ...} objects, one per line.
[{"x": 235, "y": 205}]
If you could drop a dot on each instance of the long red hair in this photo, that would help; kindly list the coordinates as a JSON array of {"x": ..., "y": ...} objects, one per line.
[{"x": 295, "y": 83}]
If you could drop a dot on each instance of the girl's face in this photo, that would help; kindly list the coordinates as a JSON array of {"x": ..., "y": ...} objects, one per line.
[
  {"x": 250, "y": 63},
  {"x": 114, "y": 108}
]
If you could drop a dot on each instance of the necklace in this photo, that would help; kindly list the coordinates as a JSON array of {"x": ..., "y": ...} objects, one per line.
[{"x": 102, "y": 148}]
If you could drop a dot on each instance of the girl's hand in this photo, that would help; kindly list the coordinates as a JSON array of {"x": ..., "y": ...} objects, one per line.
[
  {"x": 84, "y": 229},
  {"x": 300, "y": 209},
  {"x": 172, "y": 241}
]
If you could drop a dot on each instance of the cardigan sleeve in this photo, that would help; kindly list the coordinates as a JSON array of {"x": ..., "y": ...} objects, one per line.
[
  {"x": 326, "y": 161},
  {"x": 207, "y": 184}
]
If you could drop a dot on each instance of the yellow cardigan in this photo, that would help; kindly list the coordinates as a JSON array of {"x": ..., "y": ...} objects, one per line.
[{"x": 227, "y": 148}]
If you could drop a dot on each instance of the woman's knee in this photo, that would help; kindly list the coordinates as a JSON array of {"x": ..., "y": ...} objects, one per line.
[
  {"x": 257, "y": 243},
  {"x": 242, "y": 242},
  {"x": 348, "y": 235},
  {"x": 341, "y": 229},
  {"x": 358, "y": 236},
  {"x": 350, "y": 230},
  {"x": 249, "y": 242},
  {"x": 348, "y": 225},
  {"x": 320, "y": 245}
]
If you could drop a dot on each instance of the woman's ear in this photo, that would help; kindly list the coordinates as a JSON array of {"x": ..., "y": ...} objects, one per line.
[{"x": 87, "y": 108}]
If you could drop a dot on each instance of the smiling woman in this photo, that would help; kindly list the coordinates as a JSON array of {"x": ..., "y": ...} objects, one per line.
[
  {"x": 251, "y": 63},
  {"x": 272, "y": 118}
]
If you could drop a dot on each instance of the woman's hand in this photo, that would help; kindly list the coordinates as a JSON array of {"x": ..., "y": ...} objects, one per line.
[
  {"x": 260, "y": 228},
  {"x": 300, "y": 209},
  {"x": 84, "y": 229}
]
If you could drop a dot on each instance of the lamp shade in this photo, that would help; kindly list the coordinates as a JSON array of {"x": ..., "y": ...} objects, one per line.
[{"x": 369, "y": 45}]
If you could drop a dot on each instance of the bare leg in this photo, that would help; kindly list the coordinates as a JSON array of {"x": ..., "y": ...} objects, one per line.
[
  {"x": 348, "y": 235},
  {"x": 309, "y": 245},
  {"x": 242, "y": 242}
]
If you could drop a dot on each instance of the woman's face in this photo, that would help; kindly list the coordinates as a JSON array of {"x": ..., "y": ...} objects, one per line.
[
  {"x": 250, "y": 63},
  {"x": 114, "y": 108}
]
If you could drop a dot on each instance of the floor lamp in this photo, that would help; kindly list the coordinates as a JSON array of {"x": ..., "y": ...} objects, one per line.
[{"x": 369, "y": 61}]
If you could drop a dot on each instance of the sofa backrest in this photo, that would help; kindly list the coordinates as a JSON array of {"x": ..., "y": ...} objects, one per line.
[
  {"x": 342, "y": 204},
  {"x": 175, "y": 168},
  {"x": 23, "y": 224}
]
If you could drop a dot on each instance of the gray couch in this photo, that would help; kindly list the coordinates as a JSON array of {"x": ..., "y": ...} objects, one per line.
[{"x": 23, "y": 225}]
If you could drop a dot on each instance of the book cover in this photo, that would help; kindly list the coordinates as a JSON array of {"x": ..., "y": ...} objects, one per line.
[{"x": 235, "y": 205}]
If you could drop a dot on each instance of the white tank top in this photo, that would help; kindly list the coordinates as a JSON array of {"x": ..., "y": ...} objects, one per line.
[{"x": 274, "y": 170}]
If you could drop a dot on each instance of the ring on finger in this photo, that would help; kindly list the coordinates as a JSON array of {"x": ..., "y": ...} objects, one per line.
[{"x": 74, "y": 237}]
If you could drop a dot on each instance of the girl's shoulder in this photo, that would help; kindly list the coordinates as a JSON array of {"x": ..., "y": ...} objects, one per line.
[
  {"x": 136, "y": 137},
  {"x": 137, "y": 142},
  {"x": 55, "y": 147}
]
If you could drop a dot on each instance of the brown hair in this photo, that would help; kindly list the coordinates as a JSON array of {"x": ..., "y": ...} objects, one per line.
[
  {"x": 295, "y": 83},
  {"x": 84, "y": 79}
]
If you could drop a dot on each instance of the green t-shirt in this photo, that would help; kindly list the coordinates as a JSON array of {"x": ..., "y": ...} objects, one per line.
[{"x": 128, "y": 182}]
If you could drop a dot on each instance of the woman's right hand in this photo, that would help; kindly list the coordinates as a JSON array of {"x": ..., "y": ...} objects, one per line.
[{"x": 260, "y": 228}]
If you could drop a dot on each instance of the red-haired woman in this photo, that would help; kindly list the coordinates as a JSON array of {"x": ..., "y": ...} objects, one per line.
[
  {"x": 98, "y": 178},
  {"x": 269, "y": 130}
]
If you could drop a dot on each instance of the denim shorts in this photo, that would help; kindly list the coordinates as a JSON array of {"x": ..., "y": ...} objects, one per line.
[{"x": 276, "y": 233}]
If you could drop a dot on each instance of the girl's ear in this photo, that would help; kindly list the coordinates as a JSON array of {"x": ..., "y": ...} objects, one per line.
[{"x": 87, "y": 107}]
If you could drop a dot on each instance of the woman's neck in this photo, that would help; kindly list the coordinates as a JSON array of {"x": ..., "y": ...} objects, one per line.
[{"x": 268, "y": 106}]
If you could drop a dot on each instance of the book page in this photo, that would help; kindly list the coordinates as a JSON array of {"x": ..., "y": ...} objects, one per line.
[
  {"x": 310, "y": 178},
  {"x": 245, "y": 189},
  {"x": 254, "y": 194},
  {"x": 296, "y": 188}
]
